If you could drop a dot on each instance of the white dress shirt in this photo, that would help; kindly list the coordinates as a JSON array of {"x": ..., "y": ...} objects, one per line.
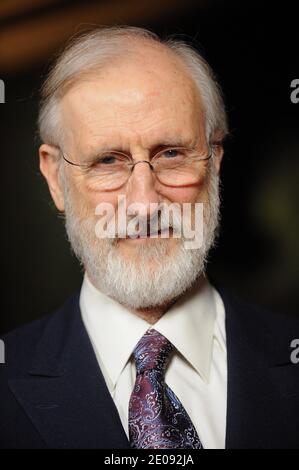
[{"x": 197, "y": 372}]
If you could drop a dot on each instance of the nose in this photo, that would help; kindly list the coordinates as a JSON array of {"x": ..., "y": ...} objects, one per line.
[{"x": 141, "y": 188}]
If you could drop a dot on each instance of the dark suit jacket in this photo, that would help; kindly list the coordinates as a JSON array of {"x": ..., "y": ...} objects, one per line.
[{"x": 53, "y": 394}]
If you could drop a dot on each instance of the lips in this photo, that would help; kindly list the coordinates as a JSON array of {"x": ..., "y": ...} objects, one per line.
[{"x": 151, "y": 235}]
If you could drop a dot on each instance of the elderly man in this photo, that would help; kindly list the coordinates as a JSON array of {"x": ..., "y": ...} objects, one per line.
[{"x": 150, "y": 354}]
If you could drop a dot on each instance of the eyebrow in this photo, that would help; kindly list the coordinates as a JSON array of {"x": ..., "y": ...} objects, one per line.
[{"x": 153, "y": 150}]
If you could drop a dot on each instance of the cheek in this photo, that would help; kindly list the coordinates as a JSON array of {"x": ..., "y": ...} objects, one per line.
[
  {"x": 186, "y": 194},
  {"x": 192, "y": 193},
  {"x": 90, "y": 198}
]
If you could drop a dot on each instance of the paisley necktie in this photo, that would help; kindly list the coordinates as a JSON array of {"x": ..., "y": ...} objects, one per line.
[{"x": 157, "y": 419}]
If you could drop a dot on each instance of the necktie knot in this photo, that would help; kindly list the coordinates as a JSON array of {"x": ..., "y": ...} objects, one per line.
[{"x": 152, "y": 352}]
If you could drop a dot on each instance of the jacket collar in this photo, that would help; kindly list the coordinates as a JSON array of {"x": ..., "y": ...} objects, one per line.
[{"x": 66, "y": 396}]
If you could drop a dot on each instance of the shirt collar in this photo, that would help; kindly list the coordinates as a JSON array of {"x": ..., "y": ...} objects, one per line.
[
  {"x": 190, "y": 325},
  {"x": 115, "y": 331}
]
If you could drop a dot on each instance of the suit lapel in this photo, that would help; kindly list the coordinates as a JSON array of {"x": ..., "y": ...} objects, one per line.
[
  {"x": 65, "y": 394},
  {"x": 262, "y": 384},
  {"x": 249, "y": 406}
]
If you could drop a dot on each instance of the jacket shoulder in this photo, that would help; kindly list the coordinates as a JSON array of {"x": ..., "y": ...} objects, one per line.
[
  {"x": 266, "y": 331},
  {"x": 21, "y": 348},
  {"x": 20, "y": 345},
  {"x": 250, "y": 311}
]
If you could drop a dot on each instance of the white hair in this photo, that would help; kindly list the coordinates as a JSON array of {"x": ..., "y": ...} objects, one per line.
[{"x": 95, "y": 49}]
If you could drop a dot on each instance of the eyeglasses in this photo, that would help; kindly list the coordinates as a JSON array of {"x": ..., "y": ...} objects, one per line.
[{"x": 173, "y": 166}]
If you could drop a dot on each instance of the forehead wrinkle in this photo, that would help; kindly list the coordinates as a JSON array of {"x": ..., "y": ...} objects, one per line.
[
  {"x": 138, "y": 133},
  {"x": 142, "y": 121},
  {"x": 130, "y": 142},
  {"x": 151, "y": 99},
  {"x": 121, "y": 95},
  {"x": 148, "y": 108}
]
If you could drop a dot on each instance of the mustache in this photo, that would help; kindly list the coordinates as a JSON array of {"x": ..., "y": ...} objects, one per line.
[{"x": 150, "y": 225}]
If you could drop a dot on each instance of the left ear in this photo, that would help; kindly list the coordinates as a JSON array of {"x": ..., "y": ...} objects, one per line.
[
  {"x": 49, "y": 167},
  {"x": 218, "y": 155}
]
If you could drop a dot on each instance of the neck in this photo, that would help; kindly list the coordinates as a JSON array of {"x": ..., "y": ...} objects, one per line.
[{"x": 153, "y": 314}]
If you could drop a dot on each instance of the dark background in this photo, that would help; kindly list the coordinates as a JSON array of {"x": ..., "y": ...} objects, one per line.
[{"x": 253, "y": 47}]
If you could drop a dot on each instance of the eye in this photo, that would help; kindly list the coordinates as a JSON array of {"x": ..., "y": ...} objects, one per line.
[
  {"x": 171, "y": 153},
  {"x": 107, "y": 160}
]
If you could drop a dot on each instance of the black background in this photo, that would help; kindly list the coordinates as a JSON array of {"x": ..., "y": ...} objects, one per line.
[{"x": 253, "y": 47}]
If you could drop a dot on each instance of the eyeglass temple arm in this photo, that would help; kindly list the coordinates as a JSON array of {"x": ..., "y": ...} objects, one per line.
[{"x": 68, "y": 161}]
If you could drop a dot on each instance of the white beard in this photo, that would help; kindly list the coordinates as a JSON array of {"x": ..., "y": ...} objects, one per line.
[{"x": 154, "y": 277}]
